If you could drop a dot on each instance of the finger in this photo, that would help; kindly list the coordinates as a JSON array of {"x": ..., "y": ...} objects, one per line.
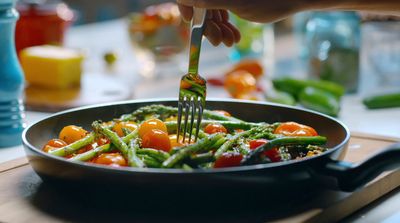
[
  {"x": 235, "y": 31},
  {"x": 216, "y": 16},
  {"x": 186, "y": 12},
  {"x": 208, "y": 4},
  {"x": 228, "y": 37},
  {"x": 224, "y": 14},
  {"x": 213, "y": 32}
]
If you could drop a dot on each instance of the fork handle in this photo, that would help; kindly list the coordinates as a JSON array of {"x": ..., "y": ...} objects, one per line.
[{"x": 196, "y": 35}]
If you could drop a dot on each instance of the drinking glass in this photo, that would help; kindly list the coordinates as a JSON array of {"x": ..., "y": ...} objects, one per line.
[{"x": 159, "y": 36}]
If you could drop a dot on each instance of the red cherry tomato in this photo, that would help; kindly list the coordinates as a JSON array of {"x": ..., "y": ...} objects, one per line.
[
  {"x": 256, "y": 143},
  {"x": 228, "y": 160},
  {"x": 102, "y": 141},
  {"x": 295, "y": 129},
  {"x": 72, "y": 133},
  {"x": 214, "y": 128},
  {"x": 54, "y": 144},
  {"x": 272, "y": 154},
  {"x": 151, "y": 124},
  {"x": 156, "y": 139},
  {"x": 111, "y": 159}
]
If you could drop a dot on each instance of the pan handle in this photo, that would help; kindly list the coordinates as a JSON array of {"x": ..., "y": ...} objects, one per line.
[{"x": 352, "y": 176}]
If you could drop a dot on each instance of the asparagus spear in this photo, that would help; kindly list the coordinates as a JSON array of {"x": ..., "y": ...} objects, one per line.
[
  {"x": 149, "y": 161},
  {"x": 162, "y": 112},
  {"x": 283, "y": 141},
  {"x": 133, "y": 159},
  {"x": 172, "y": 125},
  {"x": 159, "y": 155},
  {"x": 92, "y": 153},
  {"x": 71, "y": 148},
  {"x": 191, "y": 149},
  {"x": 118, "y": 142}
]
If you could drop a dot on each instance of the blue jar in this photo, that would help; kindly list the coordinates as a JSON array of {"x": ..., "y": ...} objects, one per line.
[
  {"x": 11, "y": 79},
  {"x": 333, "y": 41}
]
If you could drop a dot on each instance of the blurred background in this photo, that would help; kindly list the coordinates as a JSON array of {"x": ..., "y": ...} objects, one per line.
[{"x": 130, "y": 49}]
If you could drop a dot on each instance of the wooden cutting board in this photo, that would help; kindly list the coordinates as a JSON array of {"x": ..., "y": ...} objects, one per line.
[{"x": 25, "y": 198}]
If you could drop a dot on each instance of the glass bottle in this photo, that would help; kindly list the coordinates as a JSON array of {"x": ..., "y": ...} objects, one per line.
[
  {"x": 333, "y": 39},
  {"x": 11, "y": 79}
]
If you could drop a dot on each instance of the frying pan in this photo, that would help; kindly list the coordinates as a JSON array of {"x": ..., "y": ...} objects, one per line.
[{"x": 325, "y": 170}]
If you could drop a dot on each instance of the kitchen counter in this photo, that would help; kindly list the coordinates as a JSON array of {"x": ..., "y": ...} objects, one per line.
[{"x": 96, "y": 39}]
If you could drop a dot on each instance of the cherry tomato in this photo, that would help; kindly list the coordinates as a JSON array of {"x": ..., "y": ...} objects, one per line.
[
  {"x": 85, "y": 149},
  {"x": 214, "y": 128},
  {"x": 53, "y": 144},
  {"x": 252, "y": 66},
  {"x": 272, "y": 154},
  {"x": 156, "y": 139},
  {"x": 249, "y": 96},
  {"x": 72, "y": 133},
  {"x": 150, "y": 124},
  {"x": 228, "y": 160},
  {"x": 295, "y": 129},
  {"x": 111, "y": 159},
  {"x": 240, "y": 83},
  {"x": 256, "y": 143},
  {"x": 222, "y": 112},
  {"x": 102, "y": 141},
  {"x": 127, "y": 125},
  {"x": 175, "y": 143}
]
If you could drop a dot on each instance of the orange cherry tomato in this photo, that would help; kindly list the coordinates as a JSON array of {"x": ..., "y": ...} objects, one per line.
[
  {"x": 228, "y": 160},
  {"x": 127, "y": 125},
  {"x": 156, "y": 139},
  {"x": 252, "y": 66},
  {"x": 72, "y": 133},
  {"x": 110, "y": 159},
  {"x": 272, "y": 154},
  {"x": 214, "y": 128},
  {"x": 174, "y": 142},
  {"x": 54, "y": 144},
  {"x": 150, "y": 124},
  {"x": 222, "y": 112},
  {"x": 295, "y": 129},
  {"x": 240, "y": 83},
  {"x": 85, "y": 149}
]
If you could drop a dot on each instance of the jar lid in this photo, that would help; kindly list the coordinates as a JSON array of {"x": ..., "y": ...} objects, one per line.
[{"x": 45, "y": 8}]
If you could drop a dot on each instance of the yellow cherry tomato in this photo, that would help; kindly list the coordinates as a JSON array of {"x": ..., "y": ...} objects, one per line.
[
  {"x": 72, "y": 133},
  {"x": 150, "y": 124},
  {"x": 124, "y": 125}
]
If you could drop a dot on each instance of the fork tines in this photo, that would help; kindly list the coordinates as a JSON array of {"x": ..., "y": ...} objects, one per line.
[{"x": 191, "y": 105}]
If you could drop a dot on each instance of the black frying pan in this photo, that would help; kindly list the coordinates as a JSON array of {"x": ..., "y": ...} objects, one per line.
[{"x": 325, "y": 169}]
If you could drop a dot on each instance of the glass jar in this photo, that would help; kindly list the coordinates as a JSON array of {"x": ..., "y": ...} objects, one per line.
[
  {"x": 380, "y": 57},
  {"x": 333, "y": 39},
  {"x": 41, "y": 22}
]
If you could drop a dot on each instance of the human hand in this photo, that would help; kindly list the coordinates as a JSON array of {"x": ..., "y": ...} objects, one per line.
[{"x": 218, "y": 29}]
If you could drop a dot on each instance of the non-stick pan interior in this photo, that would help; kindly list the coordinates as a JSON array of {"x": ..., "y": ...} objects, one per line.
[{"x": 38, "y": 134}]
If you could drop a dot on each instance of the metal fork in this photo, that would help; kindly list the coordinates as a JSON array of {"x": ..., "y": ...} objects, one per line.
[{"x": 192, "y": 90}]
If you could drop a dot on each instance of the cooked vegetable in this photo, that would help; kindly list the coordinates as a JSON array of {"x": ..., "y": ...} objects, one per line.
[
  {"x": 288, "y": 140},
  {"x": 382, "y": 101},
  {"x": 145, "y": 139},
  {"x": 73, "y": 147},
  {"x": 72, "y": 133},
  {"x": 319, "y": 100}
]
